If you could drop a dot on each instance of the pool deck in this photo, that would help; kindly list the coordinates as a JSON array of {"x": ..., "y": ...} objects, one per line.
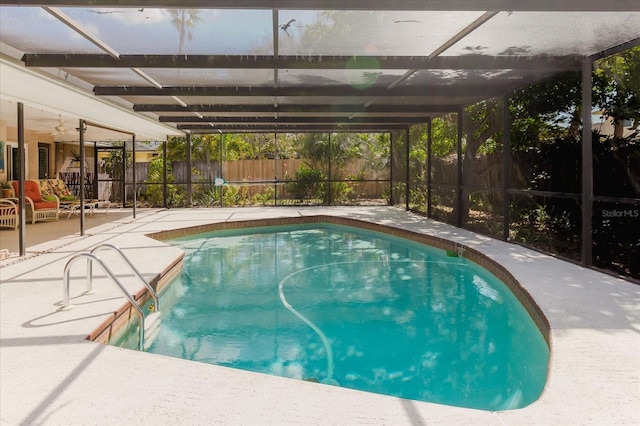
[{"x": 50, "y": 373}]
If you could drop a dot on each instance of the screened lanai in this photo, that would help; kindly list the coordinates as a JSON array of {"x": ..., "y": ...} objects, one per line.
[{"x": 411, "y": 72}]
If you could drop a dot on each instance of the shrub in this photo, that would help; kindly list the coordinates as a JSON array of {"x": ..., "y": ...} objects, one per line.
[{"x": 307, "y": 183}]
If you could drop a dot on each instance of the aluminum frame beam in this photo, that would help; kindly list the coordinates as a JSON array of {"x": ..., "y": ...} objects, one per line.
[
  {"x": 312, "y": 62},
  {"x": 409, "y": 5},
  {"x": 300, "y": 128},
  {"x": 345, "y": 90},
  {"x": 295, "y": 108},
  {"x": 291, "y": 120}
]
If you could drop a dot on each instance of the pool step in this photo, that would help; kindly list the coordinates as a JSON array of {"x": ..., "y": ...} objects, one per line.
[{"x": 151, "y": 328}]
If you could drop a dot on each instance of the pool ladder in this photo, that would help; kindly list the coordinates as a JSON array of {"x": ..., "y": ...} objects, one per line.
[{"x": 149, "y": 324}]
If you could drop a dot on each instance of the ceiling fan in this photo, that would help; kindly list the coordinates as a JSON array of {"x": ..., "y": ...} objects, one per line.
[{"x": 59, "y": 129}]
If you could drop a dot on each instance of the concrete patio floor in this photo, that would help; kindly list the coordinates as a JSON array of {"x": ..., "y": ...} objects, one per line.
[
  {"x": 44, "y": 232},
  {"x": 50, "y": 373}
]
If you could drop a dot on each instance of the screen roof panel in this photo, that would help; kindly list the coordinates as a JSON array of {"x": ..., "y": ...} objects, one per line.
[
  {"x": 317, "y": 59},
  {"x": 179, "y": 31},
  {"x": 159, "y": 100},
  {"x": 102, "y": 76},
  {"x": 355, "y": 78},
  {"x": 32, "y": 29},
  {"x": 551, "y": 34},
  {"x": 449, "y": 77},
  {"x": 227, "y": 100},
  {"x": 394, "y": 33},
  {"x": 211, "y": 77}
]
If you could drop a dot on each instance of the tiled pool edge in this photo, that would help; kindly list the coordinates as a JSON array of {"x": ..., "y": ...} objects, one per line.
[{"x": 122, "y": 317}]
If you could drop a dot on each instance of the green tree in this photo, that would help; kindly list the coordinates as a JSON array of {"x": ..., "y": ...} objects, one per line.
[
  {"x": 546, "y": 110},
  {"x": 617, "y": 88},
  {"x": 314, "y": 147},
  {"x": 114, "y": 168},
  {"x": 444, "y": 134},
  {"x": 177, "y": 148},
  {"x": 184, "y": 20},
  {"x": 154, "y": 190},
  {"x": 236, "y": 147}
]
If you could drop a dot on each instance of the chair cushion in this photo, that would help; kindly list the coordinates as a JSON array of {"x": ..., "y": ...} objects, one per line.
[
  {"x": 31, "y": 190},
  {"x": 40, "y": 205},
  {"x": 45, "y": 187},
  {"x": 59, "y": 188}
]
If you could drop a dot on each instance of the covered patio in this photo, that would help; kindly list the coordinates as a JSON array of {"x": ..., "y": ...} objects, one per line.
[
  {"x": 144, "y": 71},
  {"x": 45, "y": 236},
  {"x": 149, "y": 71}
]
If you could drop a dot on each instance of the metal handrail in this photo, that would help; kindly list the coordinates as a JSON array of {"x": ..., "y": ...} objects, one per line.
[
  {"x": 91, "y": 256},
  {"x": 104, "y": 246}
]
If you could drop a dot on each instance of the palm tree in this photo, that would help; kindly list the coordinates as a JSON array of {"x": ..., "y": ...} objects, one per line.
[{"x": 183, "y": 20}]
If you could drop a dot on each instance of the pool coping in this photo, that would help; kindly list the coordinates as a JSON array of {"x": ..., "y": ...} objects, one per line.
[{"x": 50, "y": 372}]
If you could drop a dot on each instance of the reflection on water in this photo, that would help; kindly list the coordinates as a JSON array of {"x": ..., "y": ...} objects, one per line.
[{"x": 378, "y": 314}]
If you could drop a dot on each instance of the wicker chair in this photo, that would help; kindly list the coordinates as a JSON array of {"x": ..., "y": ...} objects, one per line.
[
  {"x": 38, "y": 209},
  {"x": 8, "y": 213}
]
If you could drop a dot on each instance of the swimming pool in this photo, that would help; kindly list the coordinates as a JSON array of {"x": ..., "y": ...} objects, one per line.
[{"x": 353, "y": 308}]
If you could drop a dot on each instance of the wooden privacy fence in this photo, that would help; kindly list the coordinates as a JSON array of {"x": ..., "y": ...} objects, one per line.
[
  {"x": 266, "y": 169},
  {"x": 258, "y": 173},
  {"x": 252, "y": 170},
  {"x": 280, "y": 169}
]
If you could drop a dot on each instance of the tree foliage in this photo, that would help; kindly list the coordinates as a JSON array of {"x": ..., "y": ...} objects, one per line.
[
  {"x": 184, "y": 20},
  {"x": 617, "y": 88},
  {"x": 154, "y": 191}
]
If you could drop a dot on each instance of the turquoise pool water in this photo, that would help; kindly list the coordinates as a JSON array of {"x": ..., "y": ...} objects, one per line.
[{"x": 353, "y": 308}]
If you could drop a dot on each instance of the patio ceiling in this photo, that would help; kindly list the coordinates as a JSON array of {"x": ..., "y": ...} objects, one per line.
[{"x": 308, "y": 65}]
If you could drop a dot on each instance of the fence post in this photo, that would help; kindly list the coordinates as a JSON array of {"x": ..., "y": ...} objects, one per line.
[
  {"x": 133, "y": 162},
  {"x": 429, "y": 142},
  {"x": 21, "y": 179},
  {"x": 587, "y": 166},
  {"x": 391, "y": 174},
  {"x": 189, "y": 198},
  {"x": 275, "y": 170},
  {"x": 459, "y": 191},
  {"x": 506, "y": 166},
  {"x": 124, "y": 174},
  {"x": 164, "y": 174},
  {"x": 329, "y": 177},
  {"x": 407, "y": 174},
  {"x": 81, "y": 130},
  {"x": 94, "y": 183}
]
